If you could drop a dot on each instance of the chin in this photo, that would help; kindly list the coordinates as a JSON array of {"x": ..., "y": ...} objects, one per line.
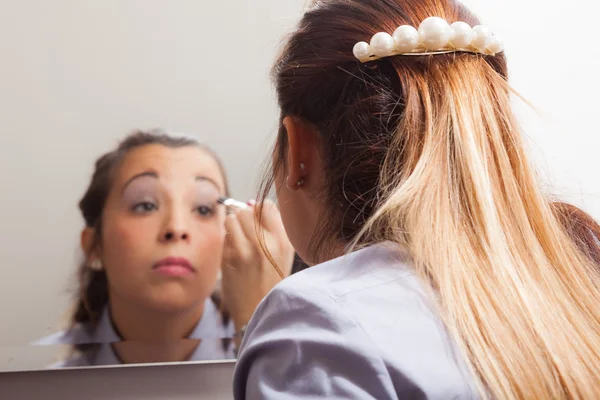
[{"x": 176, "y": 299}]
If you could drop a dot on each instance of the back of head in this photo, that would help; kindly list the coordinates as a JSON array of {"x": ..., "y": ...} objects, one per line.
[{"x": 426, "y": 152}]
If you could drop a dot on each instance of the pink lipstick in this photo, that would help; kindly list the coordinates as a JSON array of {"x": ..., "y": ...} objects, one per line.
[{"x": 174, "y": 266}]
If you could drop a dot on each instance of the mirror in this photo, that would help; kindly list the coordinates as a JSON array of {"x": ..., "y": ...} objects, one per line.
[{"x": 77, "y": 78}]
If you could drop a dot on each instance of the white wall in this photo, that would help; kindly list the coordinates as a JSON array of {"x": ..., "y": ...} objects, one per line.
[
  {"x": 76, "y": 75},
  {"x": 554, "y": 64}
]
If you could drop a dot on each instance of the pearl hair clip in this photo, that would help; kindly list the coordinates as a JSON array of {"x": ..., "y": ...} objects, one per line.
[{"x": 434, "y": 36}]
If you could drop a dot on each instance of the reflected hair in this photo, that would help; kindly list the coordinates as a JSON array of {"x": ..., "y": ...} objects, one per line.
[
  {"x": 92, "y": 295},
  {"x": 425, "y": 151}
]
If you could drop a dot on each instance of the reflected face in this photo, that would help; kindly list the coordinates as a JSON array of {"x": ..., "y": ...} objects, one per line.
[{"x": 162, "y": 231}]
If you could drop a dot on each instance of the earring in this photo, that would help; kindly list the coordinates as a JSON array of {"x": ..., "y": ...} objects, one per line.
[
  {"x": 95, "y": 264},
  {"x": 301, "y": 181}
]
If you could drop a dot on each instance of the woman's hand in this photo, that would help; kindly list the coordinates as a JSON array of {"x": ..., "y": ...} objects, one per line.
[{"x": 248, "y": 275}]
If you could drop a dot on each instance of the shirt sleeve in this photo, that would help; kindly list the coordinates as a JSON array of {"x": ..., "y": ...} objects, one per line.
[{"x": 301, "y": 344}]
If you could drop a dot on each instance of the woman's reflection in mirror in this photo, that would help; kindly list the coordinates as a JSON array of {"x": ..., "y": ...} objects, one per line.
[{"x": 153, "y": 243}]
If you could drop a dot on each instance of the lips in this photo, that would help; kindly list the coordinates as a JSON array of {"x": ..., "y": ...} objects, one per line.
[{"x": 176, "y": 266}]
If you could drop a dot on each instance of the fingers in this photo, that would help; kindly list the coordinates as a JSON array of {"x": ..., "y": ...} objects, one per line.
[
  {"x": 236, "y": 239},
  {"x": 272, "y": 218},
  {"x": 248, "y": 224},
  {"x": 243, "y": 239}
]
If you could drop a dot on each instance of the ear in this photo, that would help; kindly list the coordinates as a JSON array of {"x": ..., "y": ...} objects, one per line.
[
  {"x": 88, "y": 240},
  {"x": 302, "y": 151}
]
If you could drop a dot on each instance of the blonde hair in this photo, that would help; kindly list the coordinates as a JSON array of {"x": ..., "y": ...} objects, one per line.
[
  {"x": 426, "y": 152},
  {"x": 514, "y": 289}
]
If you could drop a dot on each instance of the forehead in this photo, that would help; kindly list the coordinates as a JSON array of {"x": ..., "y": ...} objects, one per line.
[{"x": 182, "y": 163}]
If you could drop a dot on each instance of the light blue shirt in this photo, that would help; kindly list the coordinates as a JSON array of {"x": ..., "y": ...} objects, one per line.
[
  {"x": 210, "y": 330},
  {"x": 357, "y": 327}
]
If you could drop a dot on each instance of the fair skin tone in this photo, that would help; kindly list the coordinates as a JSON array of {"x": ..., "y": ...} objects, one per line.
[
  {"x": 247, "y": 273},
  {"x": 248, "y": 276},
  {"x": 300, "y": 204},
  {"x": 162, "y": 204},
  {"x": 244, "y": 260}
]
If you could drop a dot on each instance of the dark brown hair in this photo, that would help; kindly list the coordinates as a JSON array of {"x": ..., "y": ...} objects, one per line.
[{"x": 92, "y": 296}]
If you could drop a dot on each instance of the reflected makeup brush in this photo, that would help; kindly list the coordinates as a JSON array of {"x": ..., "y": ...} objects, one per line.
[{"x": 232, "y": 203}]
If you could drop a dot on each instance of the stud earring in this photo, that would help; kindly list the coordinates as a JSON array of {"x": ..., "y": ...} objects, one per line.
[
  {"x": 301, "y": 181},
  {"x": 95, "y": 264}
]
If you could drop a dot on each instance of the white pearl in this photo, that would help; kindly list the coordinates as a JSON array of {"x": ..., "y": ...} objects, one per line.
[
  {"x": 406, "y": 38},
  {"x": 496, "y": 45},
  {"x": 434, "y": 33},
  {"x": 462, "y": 35},
  {"x": 362, "y": 51},
  {"x": 382, "y": 44},
  {"x": 481, "y": 37}
]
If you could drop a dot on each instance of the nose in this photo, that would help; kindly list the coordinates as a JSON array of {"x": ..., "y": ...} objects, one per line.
[
  {"x": 172, "y": 235},
  {"x": 175, "y": 228}
]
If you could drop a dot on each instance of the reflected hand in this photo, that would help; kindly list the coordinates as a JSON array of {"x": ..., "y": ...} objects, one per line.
[{"x": 248, "y": 275}]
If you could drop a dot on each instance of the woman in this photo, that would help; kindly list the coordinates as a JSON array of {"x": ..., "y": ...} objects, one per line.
[
  {"x": 440, "y": 269},
  {"x": 153, "y": 244}
]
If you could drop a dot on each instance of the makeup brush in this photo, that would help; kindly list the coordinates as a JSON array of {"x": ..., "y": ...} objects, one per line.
[{"x": 229, "y": 202}]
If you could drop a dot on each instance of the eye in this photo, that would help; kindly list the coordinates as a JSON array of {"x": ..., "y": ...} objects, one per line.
[
  {"x": 204, "y": 211},
  {"x": 144, "y": 207}
]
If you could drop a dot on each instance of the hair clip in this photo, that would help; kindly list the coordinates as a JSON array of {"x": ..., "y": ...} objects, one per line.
[{"x": 434, "y": 36}]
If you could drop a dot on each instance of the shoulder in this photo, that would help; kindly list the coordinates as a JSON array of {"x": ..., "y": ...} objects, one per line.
[
  {"x": 365, "y": 268},
  {"x": 71, "y": 362},
  {"x": 69, "y": 337},
  {"x": 214, "y": 334},
  {"x": 73, "y": 336},
  {"x": 301, "y": 335},
  {"x": 365, "y": 319},
  {"x": 320, "y": 295},
  {"x": 212, "y": 325},
  {"x": 371, "y": 282},
  {"x": 324, "y": 295},
  {"x": 297, "y": 339}
]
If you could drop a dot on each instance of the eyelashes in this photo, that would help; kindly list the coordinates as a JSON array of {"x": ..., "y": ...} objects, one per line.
[
  {"x": 205, "y": 211},
  {"x": 146, "y": 207}
]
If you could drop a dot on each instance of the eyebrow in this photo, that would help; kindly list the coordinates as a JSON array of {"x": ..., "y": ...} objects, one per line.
[
  {"x": 207, "y": 179},
  {"x": 155, "y": 176}
]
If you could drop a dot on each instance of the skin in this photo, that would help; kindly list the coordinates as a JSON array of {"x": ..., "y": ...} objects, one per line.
[
  {"x": 162, "y": 203},
  {"x": 247, "y": 273},
  {"x": 301, "y": 205}
]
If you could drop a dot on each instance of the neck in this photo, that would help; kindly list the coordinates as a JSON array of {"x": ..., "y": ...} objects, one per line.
[
  {"x": 134, "y": 323},
  {"x": 335, "y": 250},
  {"x": 153, "y": 336}
]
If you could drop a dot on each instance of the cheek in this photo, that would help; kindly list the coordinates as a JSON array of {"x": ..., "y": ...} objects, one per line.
[
  {"x": 209, "y": 245},
  {"x": 125, "y": 243},
  {"x": 211, "y": 236}
]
